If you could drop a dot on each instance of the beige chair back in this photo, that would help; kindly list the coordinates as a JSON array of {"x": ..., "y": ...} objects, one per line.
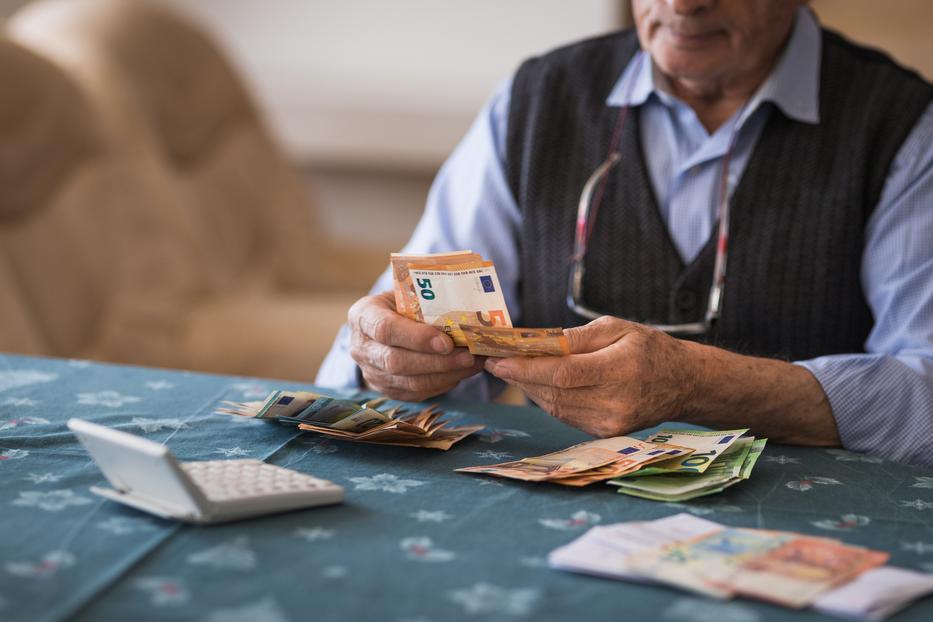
[
  {"x": 48, "y": 135},
  {"x": 170, "y": 88},
  {"x": 79, "y": 234},
  {"x": 179, "y": 236},
  {"x": 18, "y": 330}
]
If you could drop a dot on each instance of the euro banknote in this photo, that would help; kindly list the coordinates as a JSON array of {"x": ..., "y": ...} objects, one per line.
[
  {"x": 732, "y": 467},
  {"x": 798, "y": 571},
  {"x": 449, "y": 296},
  {"x": 406, "y": 298},
  {"x": 605, "y": 550},
  {"x": 584, "y": 463},
  {"x": 501, "y": 341},
  {"x": 708, "y": 445},
  {"x": 366, "y": 421},
  {"x": 785, "y": 568},
  {"x": 460, "y": 292}
]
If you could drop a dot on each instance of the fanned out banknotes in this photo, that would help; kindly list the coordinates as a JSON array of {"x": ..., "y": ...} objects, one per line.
[
  {"x": 459, "y": 292},
  {"x": 349, "y": 420},
  {"x": 785, "y": 568},
  {"x": 685, "y": 463}
]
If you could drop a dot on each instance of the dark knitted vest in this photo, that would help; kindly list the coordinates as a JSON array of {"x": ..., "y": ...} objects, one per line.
[{"x": 798, "y": 215}]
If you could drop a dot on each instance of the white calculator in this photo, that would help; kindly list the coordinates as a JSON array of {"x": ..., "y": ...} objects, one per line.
[{"x": 146, "y": 476}]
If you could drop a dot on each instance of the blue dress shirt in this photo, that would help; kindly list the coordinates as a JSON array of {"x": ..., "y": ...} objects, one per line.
[{"x": 882, "y": 400}]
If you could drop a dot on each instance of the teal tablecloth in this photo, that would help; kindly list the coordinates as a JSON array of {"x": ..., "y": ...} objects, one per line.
[{"x": 413, "y": 541}]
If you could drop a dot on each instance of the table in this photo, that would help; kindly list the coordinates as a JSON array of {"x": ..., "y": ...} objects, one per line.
[{"x": 413, "y": 541}]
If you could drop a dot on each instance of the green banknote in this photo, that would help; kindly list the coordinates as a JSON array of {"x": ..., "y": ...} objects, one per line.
[
  {"x": 730, "y": 468},
  {"x": 753, "y": 454},
  {"x": 708, "y": 445}
]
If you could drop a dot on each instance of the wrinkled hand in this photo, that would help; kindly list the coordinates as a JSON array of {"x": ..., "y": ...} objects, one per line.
[
  {"x": 401, "y": 358},
  {"x": 620, "y": 377}
]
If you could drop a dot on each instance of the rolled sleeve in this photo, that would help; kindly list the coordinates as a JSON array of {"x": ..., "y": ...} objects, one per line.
[{"x": 882, "y": 404}]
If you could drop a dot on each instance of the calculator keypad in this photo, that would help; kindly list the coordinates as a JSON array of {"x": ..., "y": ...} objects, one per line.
[{"x": 228, "y": 480}]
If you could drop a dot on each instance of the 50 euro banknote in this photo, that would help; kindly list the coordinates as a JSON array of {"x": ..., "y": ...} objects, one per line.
[
  {"x": 460, "y": 293},
  {"x": 449, "y": 296},
  {"x": 406, "y": 297}
]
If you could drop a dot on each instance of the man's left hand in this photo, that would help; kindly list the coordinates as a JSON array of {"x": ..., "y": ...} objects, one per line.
[{"x": 620, "y": 377}]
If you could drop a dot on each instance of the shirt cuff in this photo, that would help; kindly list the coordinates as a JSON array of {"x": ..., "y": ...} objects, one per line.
[{"x": 882, "y": 404}]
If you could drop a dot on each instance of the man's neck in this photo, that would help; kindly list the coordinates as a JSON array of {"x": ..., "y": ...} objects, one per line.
[{"x": 715, "y": 102}]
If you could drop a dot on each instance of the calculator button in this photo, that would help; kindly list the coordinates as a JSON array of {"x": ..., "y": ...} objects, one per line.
[{"x": 251, "y": 480}]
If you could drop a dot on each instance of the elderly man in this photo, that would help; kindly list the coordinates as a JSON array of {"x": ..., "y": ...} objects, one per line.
[{"x": 754, "y": 235}]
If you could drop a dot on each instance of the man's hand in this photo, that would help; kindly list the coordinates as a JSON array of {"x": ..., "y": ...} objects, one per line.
[
  {"x": 622, "y": 376},
  {"x": 403, "y": 359},
  {"x": 619, "y": 377}
]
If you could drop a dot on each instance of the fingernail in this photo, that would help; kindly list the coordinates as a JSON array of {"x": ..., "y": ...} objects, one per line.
[
  {"x": 493, "y": 367},
  {"x": 465, "y": 359},
  {"x": 439, "y": 344}
]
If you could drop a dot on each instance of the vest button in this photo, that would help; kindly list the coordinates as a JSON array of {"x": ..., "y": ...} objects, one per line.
[{"x": 686, "y": 301}]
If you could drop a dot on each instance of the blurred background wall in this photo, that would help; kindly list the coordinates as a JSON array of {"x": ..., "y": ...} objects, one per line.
[{"x": 368, "y": 97}]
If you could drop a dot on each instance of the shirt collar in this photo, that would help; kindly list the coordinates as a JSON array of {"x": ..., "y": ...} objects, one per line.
[{"x": 793, "y": 85}]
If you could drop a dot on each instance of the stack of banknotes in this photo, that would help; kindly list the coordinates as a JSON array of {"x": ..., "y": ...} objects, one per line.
[
  {"x": 459, "y": 292},
  {"x": 350, "y": 420},
  {"x": 720, "y": 459},
  {"x": 586, "y": 463},
  {"x": 785, "y": 568},
  {"x": 686, "y": 463}
]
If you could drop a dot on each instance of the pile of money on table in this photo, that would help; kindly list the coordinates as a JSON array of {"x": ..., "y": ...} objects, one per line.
[
  {"x": 784, "y": 568},
  {"x": 684, "y": 463},
  {"x": 719, "y": 459},
  {"x": 350, "y": 420},
  {"x": 460, "y": 293},
  {"x": 586, "y": 463}
]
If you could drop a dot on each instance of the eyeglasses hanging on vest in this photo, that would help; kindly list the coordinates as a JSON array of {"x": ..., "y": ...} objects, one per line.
[{"x": 590, "y": 200}]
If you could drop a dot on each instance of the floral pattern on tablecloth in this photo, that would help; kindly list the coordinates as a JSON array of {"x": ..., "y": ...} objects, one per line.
[{"x": 413, "y": 540}]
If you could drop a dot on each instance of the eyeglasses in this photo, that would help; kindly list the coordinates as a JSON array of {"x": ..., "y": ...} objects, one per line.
[{"x": 586, "y": 217}]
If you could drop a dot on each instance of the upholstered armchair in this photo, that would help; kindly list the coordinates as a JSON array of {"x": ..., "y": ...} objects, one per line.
[{"x": 154, "y": 221}]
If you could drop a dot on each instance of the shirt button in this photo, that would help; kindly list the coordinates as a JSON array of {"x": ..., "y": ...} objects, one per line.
[{"x": 685, "y": 300}]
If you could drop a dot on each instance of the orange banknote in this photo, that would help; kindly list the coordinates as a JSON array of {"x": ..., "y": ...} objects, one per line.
[
  {"x": 406, "y": 297},
  {"x": 508, "y": 341}
]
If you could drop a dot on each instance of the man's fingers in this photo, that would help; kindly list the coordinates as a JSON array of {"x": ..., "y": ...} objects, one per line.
[
  {"x": 418, "y": 387},
  {"x": 567, "y": 399},
  {"x": 375, "y": 317},
  {"x": 585, "y": 366},
  {"x": 598, "y": 334},
  {"x": 402, "y": 362},
  {"x": 564, "y": 372},
  {"x": 583, "y": 408}
]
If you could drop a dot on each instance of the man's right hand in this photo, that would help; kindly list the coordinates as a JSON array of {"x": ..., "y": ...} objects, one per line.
[{"x": 403, "y": 359}]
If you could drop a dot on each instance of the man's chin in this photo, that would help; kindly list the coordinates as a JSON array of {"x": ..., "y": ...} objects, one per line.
[{"x": 690, "y": 66}]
